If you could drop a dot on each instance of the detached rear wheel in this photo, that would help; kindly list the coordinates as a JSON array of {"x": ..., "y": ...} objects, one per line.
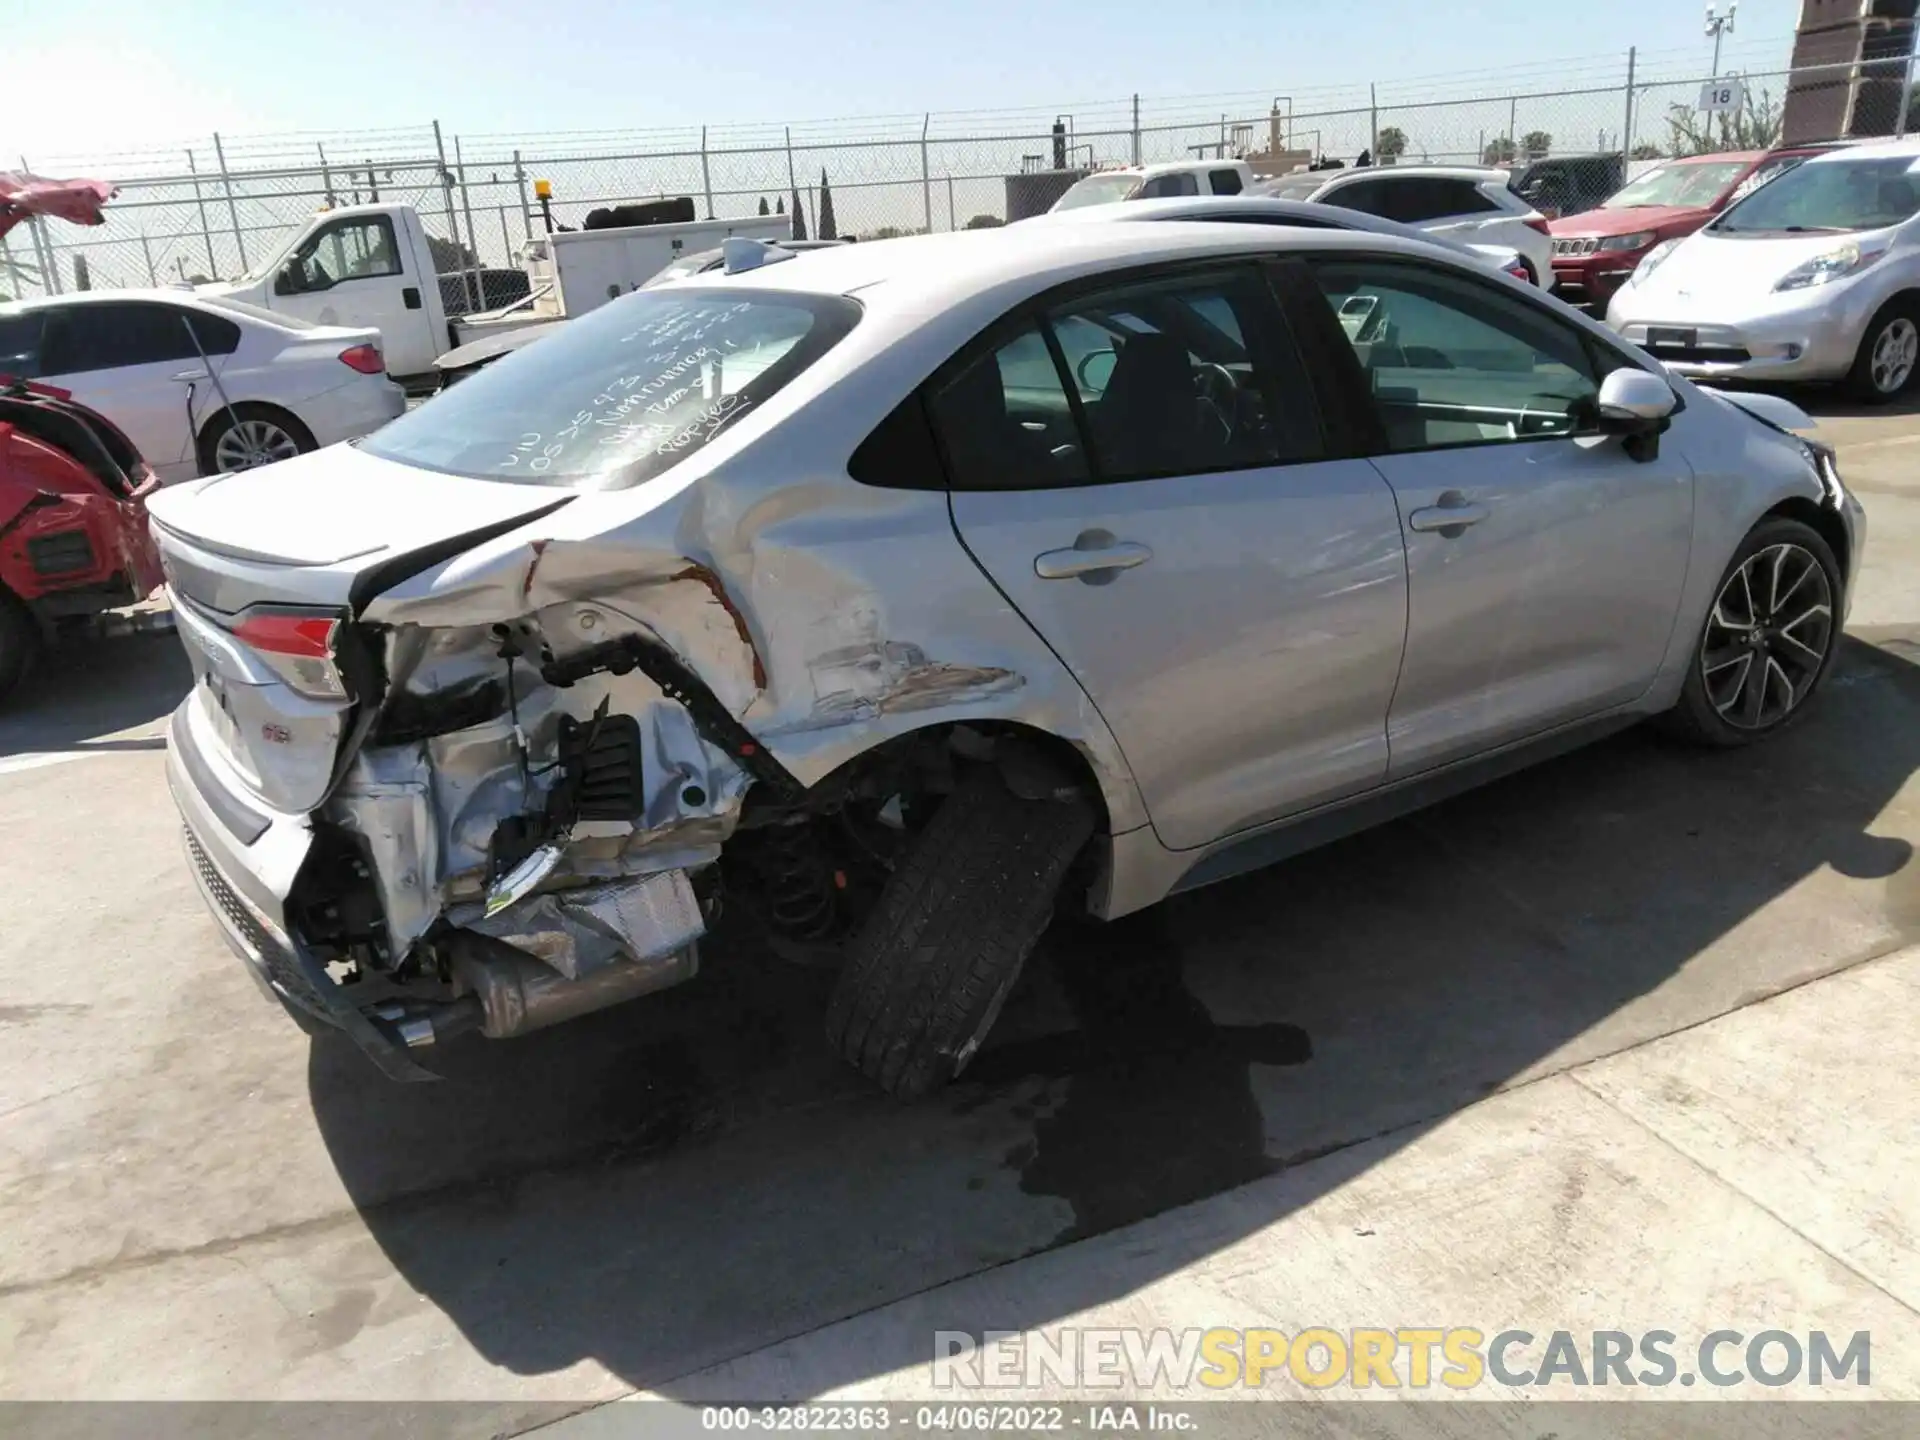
[
  {"x": 1768, "y": 641},
  {"x": 1889, "y": 354},
  {"x": 930, "y": 967}
]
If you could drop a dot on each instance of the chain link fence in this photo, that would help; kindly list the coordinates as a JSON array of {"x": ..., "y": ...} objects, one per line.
[{"x": 226, "y": 209}]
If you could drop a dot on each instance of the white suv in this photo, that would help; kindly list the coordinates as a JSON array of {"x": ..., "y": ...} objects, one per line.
[{"x": 1462, "y": 202}]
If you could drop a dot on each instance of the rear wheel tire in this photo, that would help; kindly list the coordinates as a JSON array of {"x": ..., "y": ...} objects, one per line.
[
  {"x": 1889, "y": 354},
  {"x": 19, "y": 644},
  {"x": 930, "y": 967},
  {"x": 1767, "y": 642},
  {"x": 250, "y": 436}
]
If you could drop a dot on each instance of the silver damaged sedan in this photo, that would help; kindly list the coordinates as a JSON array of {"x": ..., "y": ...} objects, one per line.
[{"x": 897, "y": 597}]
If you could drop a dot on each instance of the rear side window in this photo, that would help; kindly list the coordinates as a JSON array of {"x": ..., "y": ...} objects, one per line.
[
  {"x": 1369, "y": 197},
  {"x": 83, "y": 338},
  {"x": 20, "y": 343},
  {"x": 1182, "y": 375},
  {"x": 1224, "y": 182},
  {"x": 624, "y": 393}
]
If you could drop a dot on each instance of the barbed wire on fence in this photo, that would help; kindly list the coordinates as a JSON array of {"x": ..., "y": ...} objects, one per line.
[{"x": 225, "y": 208}]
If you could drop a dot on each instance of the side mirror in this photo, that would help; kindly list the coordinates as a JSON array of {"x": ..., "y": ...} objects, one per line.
[
  {"x": 1634, "y": 401},
  {"x": 288, "y": 281}
]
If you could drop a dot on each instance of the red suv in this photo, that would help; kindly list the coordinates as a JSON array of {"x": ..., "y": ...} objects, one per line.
[{"x": 1595, "y": 251}]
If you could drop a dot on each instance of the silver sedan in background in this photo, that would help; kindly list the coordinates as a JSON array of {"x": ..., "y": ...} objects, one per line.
[{"x": 1815, "y": 276}]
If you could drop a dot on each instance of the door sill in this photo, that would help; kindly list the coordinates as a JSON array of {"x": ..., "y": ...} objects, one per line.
[{"x": 1298, "y": 834}]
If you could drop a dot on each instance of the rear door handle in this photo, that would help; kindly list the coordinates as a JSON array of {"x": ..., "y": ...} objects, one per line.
[
  {"x": 1451, "y": 517},
  {"x": 410, "y": 298},
  {"x": 1096, "y": 558}
]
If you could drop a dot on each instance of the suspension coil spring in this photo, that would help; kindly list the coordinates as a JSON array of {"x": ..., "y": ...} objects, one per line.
[{"x": 800, "y": 888}]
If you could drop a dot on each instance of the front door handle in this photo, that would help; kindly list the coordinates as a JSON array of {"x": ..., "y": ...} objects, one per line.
[
  {"x": 1096, "y": 558},
  {"x": 1450, "y": 517},
  {"x": 410, "y": 298}
]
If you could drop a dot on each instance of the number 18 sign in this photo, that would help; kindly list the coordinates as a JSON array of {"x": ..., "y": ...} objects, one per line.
[{"x": 1717, "y": 96}]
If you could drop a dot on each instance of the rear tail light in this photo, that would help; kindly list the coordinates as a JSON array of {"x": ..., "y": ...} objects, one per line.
[
  {"x": 367, "y": 359},
  {"x": 1537, "y": 223},
  {"x": 297, "y": 645}
]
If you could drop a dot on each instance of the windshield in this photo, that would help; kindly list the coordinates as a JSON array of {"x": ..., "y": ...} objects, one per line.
[
  {"x": 620, "y": 395},
  {"x": 1692, "y": 186},
  {"x": 1303, "y": 188},
  {"x": 1856, "y": 193},
  {"x": 1098, "y": 190}
]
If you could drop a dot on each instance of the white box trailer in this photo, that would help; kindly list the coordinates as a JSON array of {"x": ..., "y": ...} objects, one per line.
[{"x": 580, "y": 270}]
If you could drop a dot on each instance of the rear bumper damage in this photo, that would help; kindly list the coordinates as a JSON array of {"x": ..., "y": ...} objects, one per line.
[{"x": 502, "y": 875}]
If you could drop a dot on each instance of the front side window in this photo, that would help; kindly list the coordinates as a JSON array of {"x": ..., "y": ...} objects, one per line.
[
  {"x": 1452, "y": 362},
  {"x": 1830, "y": 196},
  {"x": 1224, "y": 182},
  {"x": 623, "y": 393},
  {"x": 361, "y": 249},
  {"x": 1163, "y": 187}
]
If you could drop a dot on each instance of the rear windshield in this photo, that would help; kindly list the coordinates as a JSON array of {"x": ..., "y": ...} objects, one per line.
[
  {"x": 1098, "y": 190},
  {"x": 1830, "y": 196},
  {"x": 620, "y": 395}
]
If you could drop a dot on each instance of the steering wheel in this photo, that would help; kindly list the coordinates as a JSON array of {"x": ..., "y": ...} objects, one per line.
[{"x": 1220, "y": 393}]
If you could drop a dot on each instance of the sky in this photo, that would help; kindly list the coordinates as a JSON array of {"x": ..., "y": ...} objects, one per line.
[{"x": 166, "y": 70}]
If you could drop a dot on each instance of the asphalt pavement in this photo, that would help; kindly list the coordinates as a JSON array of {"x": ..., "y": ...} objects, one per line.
[{"x": 197, "y": 1201}]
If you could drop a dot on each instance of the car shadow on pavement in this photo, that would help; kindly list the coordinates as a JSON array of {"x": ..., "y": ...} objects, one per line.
[
  {"x": 665, "y": 1186},
  {"x": 84, "y": 690}
]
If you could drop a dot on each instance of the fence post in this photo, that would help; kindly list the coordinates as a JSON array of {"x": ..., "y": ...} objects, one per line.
[
  {"x": 1513, "y": 130},
  {"x": 520, "y": 179},
  {"x": 1626, "y": 134},
  {"x": 706, "y": 172},
  {"x": 233, "y": 210},
  {"x": 206, "y": 230},
  {"x": 793, "y": 185},
  {"x": 1136, "y": 129},
  {"x": 446, "y": 186},
  {"x": 1906, "y": 98},
  {"x": 153, "y": 276},
  {"x": 43, "y": 247},
  {"x": 506, "y": 238},
  {"x": 326, "y": 173},
  {"x": 1373, "y": 123},
  {"x": 926, "y": 176},
  {"x": 951, "y": 225},
  {"x": 473, "y": 233}
]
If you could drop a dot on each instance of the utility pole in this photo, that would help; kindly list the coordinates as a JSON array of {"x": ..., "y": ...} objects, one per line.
[{"x": 1718, "y": 25}]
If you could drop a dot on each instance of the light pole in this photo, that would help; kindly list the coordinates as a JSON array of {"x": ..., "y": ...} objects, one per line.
[{"x": 1718, "y": 25}]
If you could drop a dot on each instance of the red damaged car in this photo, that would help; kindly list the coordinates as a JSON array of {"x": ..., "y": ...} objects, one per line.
[
  {"x": 73, "y": 521},
  {"x": 1595, "y": 251}
]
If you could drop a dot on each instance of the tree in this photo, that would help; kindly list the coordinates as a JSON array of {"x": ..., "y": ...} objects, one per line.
[
  {"x": 1647, "y": 150},
  {"x": 763, "y": 205},
  {"x": 1754, "y": 126},
  {"x": 1390, "y": 144},
  {"x": 1536, "y": 143},
  {"x": 891, "y": 232},
  {"x": 780, "y": 206},
  {"x": 799, "y": 214},
  {"x": 983, "y": 222},
  {"x": 828, "y": 231},
  {"x": 1499, "y": 151}
]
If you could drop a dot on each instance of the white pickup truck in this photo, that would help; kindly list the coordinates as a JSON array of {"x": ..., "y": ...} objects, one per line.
[
  {"x": 1163, "y": 181},
  {"x": 371, "y": 265}
]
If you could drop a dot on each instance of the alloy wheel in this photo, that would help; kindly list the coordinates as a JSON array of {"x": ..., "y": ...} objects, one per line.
[
  {"x": 1895, "y": 350},
  {"x": 1768, "y": 637},
  {"x": 252, "y": 442}
]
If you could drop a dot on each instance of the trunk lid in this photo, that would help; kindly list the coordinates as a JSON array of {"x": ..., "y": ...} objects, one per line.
[{"x": 267, "y": 569}]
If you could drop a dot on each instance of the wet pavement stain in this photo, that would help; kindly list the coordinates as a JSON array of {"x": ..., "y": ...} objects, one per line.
[{"x": 1158, "y": 1107}]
